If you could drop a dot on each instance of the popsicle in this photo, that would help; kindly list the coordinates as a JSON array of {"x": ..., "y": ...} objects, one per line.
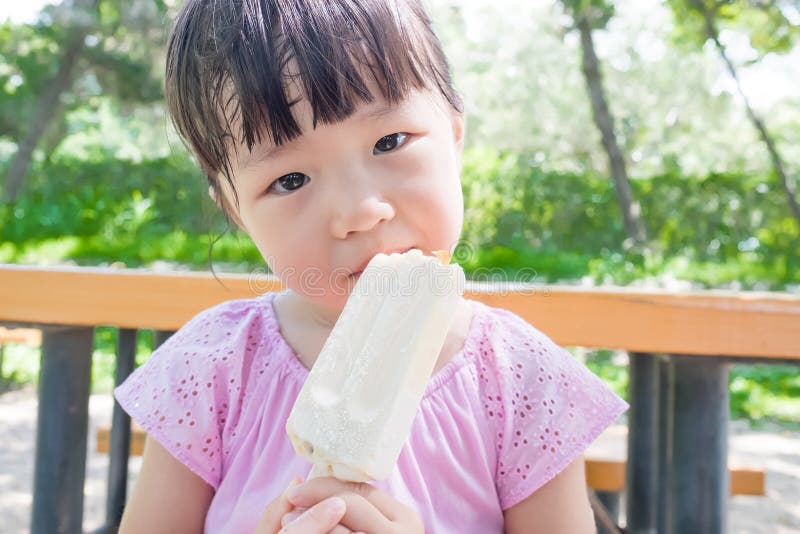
[{"x": 356, "y": 408}]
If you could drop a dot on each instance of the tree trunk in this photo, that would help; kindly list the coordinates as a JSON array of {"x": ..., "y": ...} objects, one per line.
[
  {"x": 56, "y": 132},
  {"x": 631, "y": 211},
  {"x": 777, "y": 162},
  {"x": 46, "y": 107}
]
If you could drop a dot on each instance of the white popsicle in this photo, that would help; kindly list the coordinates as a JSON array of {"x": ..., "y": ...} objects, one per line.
[{"x": 356, "y": 408}]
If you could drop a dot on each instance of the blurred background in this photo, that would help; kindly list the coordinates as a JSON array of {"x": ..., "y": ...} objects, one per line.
[{"x": 649, "y": 143}]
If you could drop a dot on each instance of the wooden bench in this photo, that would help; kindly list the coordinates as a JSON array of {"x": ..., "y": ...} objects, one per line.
[
  {"x": 609, "y": 476},
  {"x": 24, "y": 336},
  {"x": 601, "y": 475}
]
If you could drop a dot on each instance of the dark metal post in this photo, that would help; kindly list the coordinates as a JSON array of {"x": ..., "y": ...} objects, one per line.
[
  {"x": 665, "y": 395},
  {"x": 160, "y": 336},
  {"x": 62, "y": 426},
  {"x": 699, "y": 486},
  {"x": 120, "y": 442},
  {"x": 642, "y": 469}
]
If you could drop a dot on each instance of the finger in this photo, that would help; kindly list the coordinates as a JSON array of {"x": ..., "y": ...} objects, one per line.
[
  {"x": 292, "y": 516},
  {"x": 316, "y": 489},
  {"x": 363, "y": 516},
  {"x": 271, "y": 518},
  {"x": 368, "y": 508},
  {"x": 320, "y": 518},
  {"x": 297, "y": 512}
]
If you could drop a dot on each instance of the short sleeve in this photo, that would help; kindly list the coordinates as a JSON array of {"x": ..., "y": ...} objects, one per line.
[
  {"x": 181, "y": 395},
  {"x": 547, "y": 407}
]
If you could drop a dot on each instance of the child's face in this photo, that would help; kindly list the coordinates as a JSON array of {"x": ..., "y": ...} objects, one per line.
[{"x": 319, "y": 209}]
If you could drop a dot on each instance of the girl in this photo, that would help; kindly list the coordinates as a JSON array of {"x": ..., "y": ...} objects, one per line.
[{"x": 330, "y": 131}]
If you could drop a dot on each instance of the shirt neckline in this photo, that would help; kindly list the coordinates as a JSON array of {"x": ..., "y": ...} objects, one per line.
[{"x": 300, "y": 372}]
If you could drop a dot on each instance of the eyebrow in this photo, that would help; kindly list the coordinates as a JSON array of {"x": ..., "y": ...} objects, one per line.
[
  {"x": 259, "y": 156},
  {"x": 377, "y": 112}
]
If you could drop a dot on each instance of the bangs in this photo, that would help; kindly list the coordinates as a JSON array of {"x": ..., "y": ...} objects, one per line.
[{"x": 231, "y": 64}]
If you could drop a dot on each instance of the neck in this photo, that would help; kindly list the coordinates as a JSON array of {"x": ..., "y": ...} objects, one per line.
[{"x": 318, "y": 315}]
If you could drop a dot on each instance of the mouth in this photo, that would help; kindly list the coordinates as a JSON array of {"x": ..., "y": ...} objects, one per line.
[{"x": 357, "y": 273}]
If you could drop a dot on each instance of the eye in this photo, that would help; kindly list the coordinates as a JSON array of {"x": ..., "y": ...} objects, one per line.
[
  {"x": 288, "y": 183},
  {"x": 388, "y": 143}
]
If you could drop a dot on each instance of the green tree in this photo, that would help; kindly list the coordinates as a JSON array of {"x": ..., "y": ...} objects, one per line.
[
  {"x": 588, "y": 15},
  {"x": 105, "y": 42},
  {"x": 769, "y": 30},
  {"x": 79, "y": 25}
]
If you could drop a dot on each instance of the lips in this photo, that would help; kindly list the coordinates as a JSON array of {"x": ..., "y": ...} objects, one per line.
[{"x": 364, "y": 264}]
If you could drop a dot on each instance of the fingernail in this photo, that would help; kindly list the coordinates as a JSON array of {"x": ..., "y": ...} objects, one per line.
[
  {"x": 292, "y": 492},
  {"x": 333, "y": 506},
  {"x": 296, "y": 481}
]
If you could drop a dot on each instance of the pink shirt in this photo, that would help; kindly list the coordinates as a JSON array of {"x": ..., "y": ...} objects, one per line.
[{"x": 508, "y": 413}]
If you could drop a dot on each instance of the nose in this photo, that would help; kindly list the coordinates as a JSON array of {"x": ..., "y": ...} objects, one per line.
[{"x": 360, "y": 215}]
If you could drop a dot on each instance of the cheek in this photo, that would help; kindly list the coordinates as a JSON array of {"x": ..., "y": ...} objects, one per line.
[
  {"x": 431, "y": 193},
  {"x": 275, "y": 245}
]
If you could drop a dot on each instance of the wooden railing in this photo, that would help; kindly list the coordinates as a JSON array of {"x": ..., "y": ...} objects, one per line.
[{"x": 681, "y": 347}]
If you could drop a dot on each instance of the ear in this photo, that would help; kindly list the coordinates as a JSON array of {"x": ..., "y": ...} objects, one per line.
[
  {"x": 223, "y": 204},
  {"x": 459, "y": 129}
]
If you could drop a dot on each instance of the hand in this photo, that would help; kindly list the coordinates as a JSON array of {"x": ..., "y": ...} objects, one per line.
[
  {"x": 322, "y": 518},
  {"x": 368, "y": 509}
]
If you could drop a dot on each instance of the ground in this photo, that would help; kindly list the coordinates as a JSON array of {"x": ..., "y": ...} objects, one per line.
[{"x": 773, "y": 449}]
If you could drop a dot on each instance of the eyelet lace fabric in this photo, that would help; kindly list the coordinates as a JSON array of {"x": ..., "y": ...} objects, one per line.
[
  {"x": 189, "y": 394},
  {"x": 544, "y": 405}
]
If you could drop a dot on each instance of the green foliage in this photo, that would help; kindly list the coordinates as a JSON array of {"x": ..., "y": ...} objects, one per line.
[
  {"x": 519, "y": 220},
  {"x": 110, "y": 199},
  {"x": 26, "y": 63},
  {"x": 111, "y": 210},
  {"x": 597, "y": 12},
  {"x": 605, "y": 364},
  {"x": 765, "y": 23},
  {"x": 519, "y": 215},
  {"x": 766, "y": 392},
  {"x": 120, "y": 57}
]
